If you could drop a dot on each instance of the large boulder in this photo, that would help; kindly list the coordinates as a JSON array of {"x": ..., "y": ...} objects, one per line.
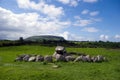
[
  {"x": 88, "y": 58},
  {"x": 83, "y": 58},
  {"x": 100, "y": 58},
  {"x": 94, "y": 59},
  {"x": 32, "y": 59},
  {"x": 54, "y": 55},
  {"x": 79, "y": 58},
  {"x": 70, "y": 58},
  {"x": 60, "y": 50},
  {"x": 48, "y": 58},
  {"x": 39, "y": 58},
  {"x": 19, "y": 57},
  {"x": 60, "y": 57},
  {"x": 26, "y": 57}
]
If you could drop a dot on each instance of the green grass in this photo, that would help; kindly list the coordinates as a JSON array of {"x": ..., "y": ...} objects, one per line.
[{"x": 10, "y": 70}]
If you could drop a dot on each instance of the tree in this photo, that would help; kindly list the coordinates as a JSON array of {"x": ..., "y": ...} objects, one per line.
[{"x": 21, "y": 39}]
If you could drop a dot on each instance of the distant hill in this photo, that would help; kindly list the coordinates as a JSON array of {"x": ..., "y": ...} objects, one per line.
[{"x": 45, "y": 37}]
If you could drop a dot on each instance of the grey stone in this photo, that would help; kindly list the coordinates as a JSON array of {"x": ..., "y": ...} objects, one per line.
[
  {"x": 32, "y": 59},
  {"x": 39, "y": 58},
  {"x": 48, "y": 58},
  {"x": 60, "y": 57},
  {"x": 70, "y": 58}
]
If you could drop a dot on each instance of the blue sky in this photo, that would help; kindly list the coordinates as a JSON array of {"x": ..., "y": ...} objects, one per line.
[{"x": 73, "y": 19}]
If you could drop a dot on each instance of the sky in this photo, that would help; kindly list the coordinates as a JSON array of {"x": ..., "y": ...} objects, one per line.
[{"x": 78, "y": 20}]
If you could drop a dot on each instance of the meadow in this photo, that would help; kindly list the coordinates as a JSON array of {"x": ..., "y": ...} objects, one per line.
[{"x": 10, "y": 70}]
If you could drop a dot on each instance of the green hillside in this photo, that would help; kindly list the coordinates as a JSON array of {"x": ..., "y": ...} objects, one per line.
[{"x": 45, "y": 37}]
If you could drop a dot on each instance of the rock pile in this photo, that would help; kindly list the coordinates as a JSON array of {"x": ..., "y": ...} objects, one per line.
[{"x": 60, "y": 54}]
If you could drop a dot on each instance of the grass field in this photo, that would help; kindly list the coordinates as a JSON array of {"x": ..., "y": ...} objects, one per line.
[{"x": 10, "y": 70}]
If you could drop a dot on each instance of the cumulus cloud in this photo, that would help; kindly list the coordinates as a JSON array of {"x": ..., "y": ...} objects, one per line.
[
  {"x": 85, "y": 11},
  {"x": 76, "y": 2},
  {"x": 117, "y": 36},
  {"x": 91, "y": 13},
  {"x": 90, "y": 29},
  {"x": 26, "y": 24},
  {"x": 84, "y": 22},
  {"x": 90, "y": 1},
  {"x": 65, "y": 34},
  {"x": 81, "y": 22},
  {"x": 69, "y": 2},
  {"x": 64, "y": 1},
  {"x": 69, "y": 36},
  {"x": 94, "y": 13},
  {"x": 104, "y": 37},
  {"x": 50, "y": 10}
]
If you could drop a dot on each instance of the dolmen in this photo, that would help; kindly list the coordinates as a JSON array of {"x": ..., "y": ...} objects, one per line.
[{"x": 60, "y": 55}]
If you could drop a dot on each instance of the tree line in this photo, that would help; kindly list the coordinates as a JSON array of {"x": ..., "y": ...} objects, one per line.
[{"x": 81, "y": 44}]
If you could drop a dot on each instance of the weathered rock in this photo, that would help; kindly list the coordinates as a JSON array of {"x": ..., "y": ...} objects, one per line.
[
  {"x": 83, "y": 58},
  {"x": 54, "y": 55},
  {"x": 20, "y": 57},
  {"x": 94, "y": 59},
  {"x": 60, "y": 50},
  {"x": 70, "y": 58},
  {"x": 48, "y": 58},
  {"x": 60, "y": 57},
  {"x": 26, "y": 57},
  {"x": 88, "y": 58},
  {"x": 32, "y": 59},
  {"x": 100, "y": 58},
  {"x": 39, "y": 58},
  {"x": 79, "y": 58}
]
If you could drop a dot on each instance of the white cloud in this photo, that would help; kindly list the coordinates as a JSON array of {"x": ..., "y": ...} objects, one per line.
[
  {"x": 26, "y": 24},
  {"x": 64, "y": 1},
  {"x": 74, "y": 3},
  {"x": 77, "y": 17},
  {"x": 85, "y": 11},
  {"x": 117, "y": 36},
  {"x": 69, "y": 36},
  {"x": 65, "y": 34},
  {"x": 81, "y": 22},
  {"x": 90, "y": 29},
  {"x": 90, "y": 1},
  {"x": 91, "y": 13},
  {"x": 50, "y": 10},
  {"x": 94, "y": 13},
  {"x": 70, "y": 2},
  {"x": 104, "y": 37}
]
